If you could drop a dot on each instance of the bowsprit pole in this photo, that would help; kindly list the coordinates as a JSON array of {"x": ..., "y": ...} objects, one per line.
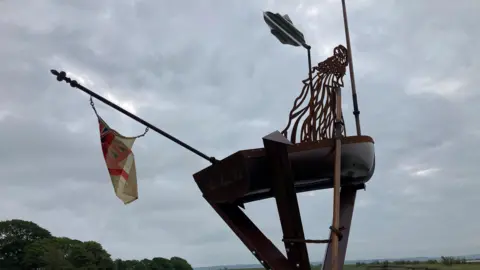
[{"x": 62, "y": 76}]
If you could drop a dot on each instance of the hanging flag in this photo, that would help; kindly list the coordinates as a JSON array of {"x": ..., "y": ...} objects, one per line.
[{"x": 117, "y": 151}]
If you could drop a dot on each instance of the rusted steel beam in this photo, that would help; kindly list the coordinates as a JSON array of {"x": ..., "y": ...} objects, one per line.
[
  {"x": 335, "y": 228},
  {"x": 281, "y": 178},
  {"x": 260, "y": 246},
  {"x": 347, "y": 203}
]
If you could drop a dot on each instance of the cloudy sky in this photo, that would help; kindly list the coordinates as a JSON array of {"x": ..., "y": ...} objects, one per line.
[{"x": 210, "y": 73}]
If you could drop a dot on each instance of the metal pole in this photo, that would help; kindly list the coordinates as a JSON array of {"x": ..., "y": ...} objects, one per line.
[
  {"x": 356, "y": 112},
  {"x": 311, "y": 105},
  {"x": 63, "y": 76},
  {"x": 336, "y": 179}
]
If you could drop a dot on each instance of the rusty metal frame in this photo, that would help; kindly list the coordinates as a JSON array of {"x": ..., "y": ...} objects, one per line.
[
  {"x": 268, "y": 254},
  {"x": 335, "y": 228},
  {"x": 260, "y": 246},
  {"x": 286, "y": 198},
  {"x": 320, "y": 118},
  {"x": 347, "y": 204}
]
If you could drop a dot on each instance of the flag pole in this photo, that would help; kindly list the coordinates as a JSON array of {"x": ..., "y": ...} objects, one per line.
[{"x": 62, "y": 76}]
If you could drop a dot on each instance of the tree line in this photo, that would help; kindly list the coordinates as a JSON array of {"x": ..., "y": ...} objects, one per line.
[
  {"x": 25, "y": 245},
  {"x": 449, "y": 261}
]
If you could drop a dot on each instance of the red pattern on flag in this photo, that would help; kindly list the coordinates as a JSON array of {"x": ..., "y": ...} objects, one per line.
[{"x": 114, "y": 151}]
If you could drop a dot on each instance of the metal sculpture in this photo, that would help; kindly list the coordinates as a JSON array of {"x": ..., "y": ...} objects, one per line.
[
  {"x": 318, "y": 155},
  {"x": 321, "y": 157},
  {"x": 283, "y": 168}
]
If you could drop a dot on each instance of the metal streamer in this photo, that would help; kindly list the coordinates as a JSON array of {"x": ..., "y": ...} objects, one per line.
[{"x": 316, "y": 117}]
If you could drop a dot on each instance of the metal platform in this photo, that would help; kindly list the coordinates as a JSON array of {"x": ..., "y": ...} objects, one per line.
[{"x": 244, "y": 176}]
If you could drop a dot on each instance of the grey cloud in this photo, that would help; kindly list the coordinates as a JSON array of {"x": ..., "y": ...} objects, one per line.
[{"x": 210, "y": 73}]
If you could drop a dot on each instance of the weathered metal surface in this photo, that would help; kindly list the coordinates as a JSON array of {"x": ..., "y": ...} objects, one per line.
[
  {"x": 321, "y": 157},
  {"x": 262, "y": 248},
  {"x": 226, "y": 180},
  {"x": 286, "y": 198},
  {"x": 313, "y": 118},
  {"x": 244, "y": 176},
  {"x": 347, "y": 204},
  {"x": 335, "y": 228}
]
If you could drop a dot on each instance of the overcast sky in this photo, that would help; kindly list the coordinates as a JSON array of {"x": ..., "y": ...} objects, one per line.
[{"x": 210, "y": 73}]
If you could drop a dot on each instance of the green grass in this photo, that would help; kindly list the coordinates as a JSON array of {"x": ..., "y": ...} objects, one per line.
[
  {"x": 438, "y": 266},
  {"x": 433, "y": 266}
]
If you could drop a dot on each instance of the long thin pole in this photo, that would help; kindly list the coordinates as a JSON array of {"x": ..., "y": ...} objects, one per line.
[
  {"x": 62, "y": 76},
  {"x": 336, "y": 179},
  {"x": 356, "y": 112},
  {"x": 313, "y": 132}
]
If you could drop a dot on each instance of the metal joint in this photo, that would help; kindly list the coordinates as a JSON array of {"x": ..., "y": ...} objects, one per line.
[
  {"x": 339, "y": 126},
  {"x": 338, "y": 232}
]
